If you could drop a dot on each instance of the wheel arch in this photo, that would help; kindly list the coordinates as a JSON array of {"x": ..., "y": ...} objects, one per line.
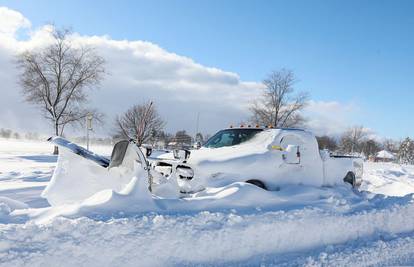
[{"x": 257, "y": 183}]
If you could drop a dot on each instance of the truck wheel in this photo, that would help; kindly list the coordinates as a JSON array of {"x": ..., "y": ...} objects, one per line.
[
  {"x": 351, "y": 179},
  {"x": 257, "y": 183}
]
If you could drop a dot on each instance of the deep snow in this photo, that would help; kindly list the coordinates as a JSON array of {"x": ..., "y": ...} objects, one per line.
[{"x": 298, "y": 225}]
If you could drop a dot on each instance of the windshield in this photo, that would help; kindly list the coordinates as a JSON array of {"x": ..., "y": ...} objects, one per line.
[{"x": 231, "y": 137}]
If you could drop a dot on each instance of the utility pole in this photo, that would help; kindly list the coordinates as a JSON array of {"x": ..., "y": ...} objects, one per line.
[
  {"x": 89, "y": 118},
  {"x": 197, "y": 125}
]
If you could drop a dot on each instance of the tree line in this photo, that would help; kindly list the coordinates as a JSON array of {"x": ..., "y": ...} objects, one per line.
[
  {"x": 356, "y": 141},
  {"x": 8, "y": 133}
]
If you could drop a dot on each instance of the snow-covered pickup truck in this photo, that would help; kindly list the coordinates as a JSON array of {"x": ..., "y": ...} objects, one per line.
[{"x": 268, "y": 158}]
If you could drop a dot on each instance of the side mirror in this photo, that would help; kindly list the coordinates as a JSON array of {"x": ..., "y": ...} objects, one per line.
[
  {"x": 148, "y": 151},
  {"x": 181, "y": 154}
]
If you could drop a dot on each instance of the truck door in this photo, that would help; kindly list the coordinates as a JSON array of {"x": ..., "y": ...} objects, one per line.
[
  {"x": 292, "y": 154},
  {"x": 292, "y": 149}
]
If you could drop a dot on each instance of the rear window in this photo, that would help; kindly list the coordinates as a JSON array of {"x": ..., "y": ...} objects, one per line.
[{"x": 231, "y": 137}]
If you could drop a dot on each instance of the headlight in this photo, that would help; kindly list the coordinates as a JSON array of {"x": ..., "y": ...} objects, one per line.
[{"x": 184, "y": 172}]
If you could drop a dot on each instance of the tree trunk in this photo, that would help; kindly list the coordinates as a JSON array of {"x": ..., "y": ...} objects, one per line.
[{"x": 56, "y": 149}]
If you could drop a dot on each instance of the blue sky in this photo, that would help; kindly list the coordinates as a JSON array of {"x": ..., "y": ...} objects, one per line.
[{"x": 348, "y": 51}]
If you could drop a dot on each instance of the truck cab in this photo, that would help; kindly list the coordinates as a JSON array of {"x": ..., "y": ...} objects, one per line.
[{"x": 266, "y": 157}]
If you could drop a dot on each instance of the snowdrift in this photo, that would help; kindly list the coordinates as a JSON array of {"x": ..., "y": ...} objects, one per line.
[
  {"x": 76, "y": 179},
  {"x": 238, "y": 224},
  {"x": 388, "y": 179},
  {"x": 7, "y": 206},
  {"x": 302, "y": 234}
]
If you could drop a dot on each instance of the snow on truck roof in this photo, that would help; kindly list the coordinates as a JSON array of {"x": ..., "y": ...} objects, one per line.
[{"x": 263, "y": 128}]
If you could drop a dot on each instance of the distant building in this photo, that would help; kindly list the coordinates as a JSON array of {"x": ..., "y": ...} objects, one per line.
[
  {"x": 181, "y": 141},
  {"x": 384, "y": 156}
]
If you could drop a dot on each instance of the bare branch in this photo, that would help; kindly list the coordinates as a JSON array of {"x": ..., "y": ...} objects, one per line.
[
  {"x": 140, "y": 122},
  {"x": 278, "y": 106},
  {"x": 352, "y": 140}
]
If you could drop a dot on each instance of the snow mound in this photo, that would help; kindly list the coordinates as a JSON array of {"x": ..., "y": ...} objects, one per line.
[
  {"x": 12, "y": 204},
  {"x": 75, "y": 179},
  {"x": 233, "y": 225},
  {"x": 217, "y": 238},
  {"x": 7, "y": 206},
  {"x": 388, "y": 178}
]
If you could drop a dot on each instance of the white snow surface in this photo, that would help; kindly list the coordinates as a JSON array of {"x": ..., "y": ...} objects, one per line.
[
  {"x": 238, "y": 224},
  {"x": 388, "y": 178}
]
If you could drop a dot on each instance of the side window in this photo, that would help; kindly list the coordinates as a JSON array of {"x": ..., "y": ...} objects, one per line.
[
  {"x": 226, "y": 139},
  {"x": 231, "y": 137}
]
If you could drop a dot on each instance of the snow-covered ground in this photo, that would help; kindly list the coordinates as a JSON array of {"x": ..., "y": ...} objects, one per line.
[
  {"x": 389, "y": 179},
  {"x": 298, "y": 225}
]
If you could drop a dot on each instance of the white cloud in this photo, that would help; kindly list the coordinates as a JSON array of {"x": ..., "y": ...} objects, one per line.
[
  {"x": 331, "y": 118},
  {"x": 139, "y": 71},
  {"x": 11, "y": 21}
]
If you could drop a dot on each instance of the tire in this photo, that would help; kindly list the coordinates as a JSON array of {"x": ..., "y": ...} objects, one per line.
[
  {"x": 350, "y": 179},
  {"x": 257, "y": 183}
]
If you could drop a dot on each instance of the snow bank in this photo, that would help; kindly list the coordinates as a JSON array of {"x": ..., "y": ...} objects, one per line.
[
  {"x": 75, "y": 179},
  {"x": 136, "y": 199},
  {"x": 24, "y": 146},
  {"x": 21, "y": 146},
  {"x": 237, "y": 224},
  {"x": 7, "y": 205},
  {"x": 12, "y": 204},
  {"x": 388, "y": 178},
  {"x": 207, "y": 238}
]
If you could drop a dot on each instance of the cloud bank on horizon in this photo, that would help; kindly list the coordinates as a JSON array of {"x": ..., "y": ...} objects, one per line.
[{"x": 140, "y": 71}]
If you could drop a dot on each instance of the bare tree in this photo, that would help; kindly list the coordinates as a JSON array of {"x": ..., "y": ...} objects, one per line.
[
  {"x": 370, "y": 147},
  {"x": 390, "y": 145},
  {"x": 327, "y": 142},
  {"x": 351, "y": 140},
  {"x": 140, "y": 122},
  {"x": 183, "y": 139},
  {"x": 56, "y": 78},
  {"x": 279, "y": 106}
]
